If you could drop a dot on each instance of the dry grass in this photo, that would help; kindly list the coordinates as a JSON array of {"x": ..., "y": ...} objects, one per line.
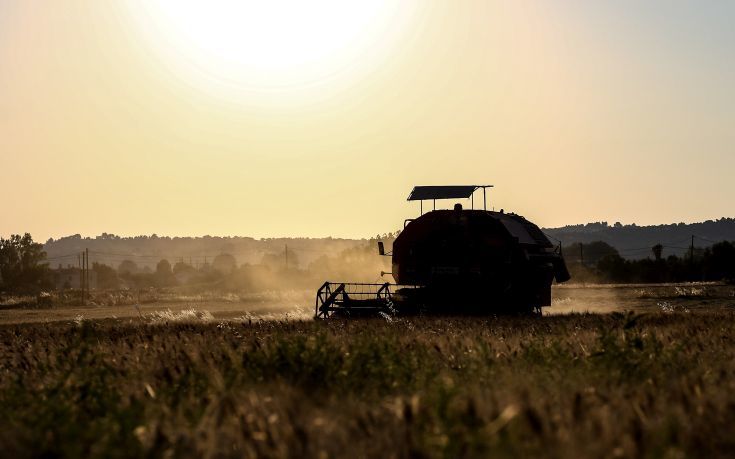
[{"x": 659, "y": 385}]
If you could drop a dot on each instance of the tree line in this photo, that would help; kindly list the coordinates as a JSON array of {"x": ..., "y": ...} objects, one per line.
[
  {"x": 24, "y": 268},
  {"x": 624, "y": 237},
  {"x": 600, "y": 262}
]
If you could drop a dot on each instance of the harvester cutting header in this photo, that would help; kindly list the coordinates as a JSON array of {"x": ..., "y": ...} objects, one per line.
[{"x": 458, "y": 261}]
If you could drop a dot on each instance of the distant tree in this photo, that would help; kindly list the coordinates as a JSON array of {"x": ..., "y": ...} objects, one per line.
[
  {"x": 22, "y": 266},
  {"x": 106, "y": 276},
  {"x": 141, "y": 280},
  {"x": 224, "y": 263},
  {"x": 657, "y": 251},
  {"x": 592, "y": 252},
  {"x": 614, "y": 268},
  {"x": 163, "y": 268},
  {"x": 164, "y": 274},
  {"x": 127, "y": 267},
  {"x": 277, "y": 261},
  {"x": 180, "y": 268},
  {"x": 720, "y": 261}
]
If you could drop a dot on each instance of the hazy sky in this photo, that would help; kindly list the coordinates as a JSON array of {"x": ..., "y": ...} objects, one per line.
[{"x": 182, "y": 119}]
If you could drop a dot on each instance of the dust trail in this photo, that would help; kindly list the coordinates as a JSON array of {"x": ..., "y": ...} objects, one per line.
[
  {"x": 604, "y": 298},
  {"x": 186, "y": 315},
  {"x": 584, "y": 299}
]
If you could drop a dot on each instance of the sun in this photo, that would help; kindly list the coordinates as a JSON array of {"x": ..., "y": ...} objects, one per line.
[{"x": 269, "y": 45}]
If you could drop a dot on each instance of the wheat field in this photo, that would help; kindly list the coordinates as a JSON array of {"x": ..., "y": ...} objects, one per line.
[{"x": 581, "y": 385}]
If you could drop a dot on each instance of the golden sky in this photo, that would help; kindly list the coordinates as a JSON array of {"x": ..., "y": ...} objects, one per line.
[{"x": 232, "y": 118}]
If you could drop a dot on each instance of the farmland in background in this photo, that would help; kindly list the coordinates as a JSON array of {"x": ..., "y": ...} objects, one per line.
[{"x": 277, "y": 304}]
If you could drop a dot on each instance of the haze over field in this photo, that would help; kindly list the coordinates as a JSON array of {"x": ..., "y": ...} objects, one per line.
[{"x": 280, "y": 119}]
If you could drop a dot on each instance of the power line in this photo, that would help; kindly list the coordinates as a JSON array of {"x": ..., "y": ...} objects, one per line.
[
  {"x": 159, "y": 256},
  {"x": 56, "y": 257},
  {"x": 639, "y": 249},
  {"x": 708, "y": 240},
  {"x": 672, "y": 243}
]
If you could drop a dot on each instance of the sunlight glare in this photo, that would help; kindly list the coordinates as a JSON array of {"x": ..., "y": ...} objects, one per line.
[{"x": 274, "y": 44}]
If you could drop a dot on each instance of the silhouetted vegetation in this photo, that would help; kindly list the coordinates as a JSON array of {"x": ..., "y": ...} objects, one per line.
[
  {"x": 106, "y": 277},
  {"x": 22, "y": 266},
  {"x": 25, "y": 270},
  {"x": 633, "y": 241},
  {"x": 147, "y": 251},
  {"x": 600, "y": 262}
]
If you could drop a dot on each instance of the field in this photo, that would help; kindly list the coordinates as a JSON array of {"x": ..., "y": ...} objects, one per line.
[
  {"x": 299, "y": 304},
  {"x": 658, "y": 381}
]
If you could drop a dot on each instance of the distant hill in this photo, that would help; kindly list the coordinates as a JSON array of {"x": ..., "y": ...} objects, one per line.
[{"x": 633, "y": 241}]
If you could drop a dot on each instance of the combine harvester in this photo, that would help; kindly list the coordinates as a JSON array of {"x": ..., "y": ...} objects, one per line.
[{"x": 456, "y": 261}]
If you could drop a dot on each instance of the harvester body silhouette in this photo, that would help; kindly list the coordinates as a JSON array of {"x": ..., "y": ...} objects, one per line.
[{"x": 458, "y": 261}]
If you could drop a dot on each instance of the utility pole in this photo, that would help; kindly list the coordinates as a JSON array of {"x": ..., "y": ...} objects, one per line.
[
  {"x": 691, "y": 260},
  {"x": 581, "y": 254},
  {"x": 81, "y": 284},
  {"x": 691, "y": 250},
  {"x": 86, "y": 280},
  {"x": 81, "y": 276}
]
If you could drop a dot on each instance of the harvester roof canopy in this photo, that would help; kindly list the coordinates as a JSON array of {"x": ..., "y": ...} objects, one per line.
[{"x": 420, "y": 193}]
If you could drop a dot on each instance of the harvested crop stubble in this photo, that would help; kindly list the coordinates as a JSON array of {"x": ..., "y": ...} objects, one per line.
[{"x": 558, "y": 386}]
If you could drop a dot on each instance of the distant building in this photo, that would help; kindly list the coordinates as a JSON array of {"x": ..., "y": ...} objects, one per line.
[{"x": 70, "y": 278}]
